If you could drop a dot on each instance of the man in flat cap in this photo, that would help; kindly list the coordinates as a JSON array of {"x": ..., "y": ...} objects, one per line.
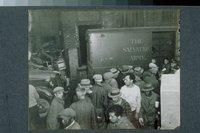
[
  {"x": 66, "y": 119},
  {"x": 99, "y": 100},
  {"x": 85, "y": 111},
  {"x": 57, "y": 105},
  {"x": 149, "y": 106}
]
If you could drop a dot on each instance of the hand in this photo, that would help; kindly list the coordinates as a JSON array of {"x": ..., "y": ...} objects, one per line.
[
  {"x": 141, "y": 121},
  {"x": 136, "y": 116}
]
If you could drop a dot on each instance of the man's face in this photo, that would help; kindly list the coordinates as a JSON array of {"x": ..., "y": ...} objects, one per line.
[
  {"x": 59, "y": 94},
  {"x": 128, "y": 81},
  {"x": 115, "y": 99},
  {"x": 147, "y": 93},
  {"x": 113, "y": 118},
  {"x": 166, "y": 61},
  {"x": 81, "y": 93}
]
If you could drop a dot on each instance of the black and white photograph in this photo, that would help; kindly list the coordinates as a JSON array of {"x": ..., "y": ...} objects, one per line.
[{"x": 104, "y": 69}]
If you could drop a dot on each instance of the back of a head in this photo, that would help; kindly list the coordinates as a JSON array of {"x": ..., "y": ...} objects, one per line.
[{"x": 117, "y": 109}]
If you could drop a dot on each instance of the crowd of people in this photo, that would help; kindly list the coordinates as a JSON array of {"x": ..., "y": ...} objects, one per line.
[{"x": 122, "y": 98}]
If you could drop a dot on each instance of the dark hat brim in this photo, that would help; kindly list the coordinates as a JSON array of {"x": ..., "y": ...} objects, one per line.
[
  {"x": 113, "y": 96},
  {"x": 148, "y": 89}
]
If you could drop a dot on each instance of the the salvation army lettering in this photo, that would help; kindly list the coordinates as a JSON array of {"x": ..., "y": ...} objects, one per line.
[
  {"x": 119, "y": 47},
  {"x": 136, "y": 41},
  {"x": 136, "y": 49}
]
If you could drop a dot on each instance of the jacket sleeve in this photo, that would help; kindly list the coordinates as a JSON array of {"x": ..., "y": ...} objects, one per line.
[{"x": 93, "y": 118}]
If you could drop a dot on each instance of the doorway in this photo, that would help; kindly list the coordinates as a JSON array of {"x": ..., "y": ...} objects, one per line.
[{"x": 82, "y": 29}]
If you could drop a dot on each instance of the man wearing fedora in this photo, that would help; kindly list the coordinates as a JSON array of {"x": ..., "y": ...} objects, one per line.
[
  {"x": 67, "y": 119},
  {"x": 131, "y": 93},
  {"x": 118, "y": 76},
  {"x": 116, "y": 99},
  {"x": 57, "y": 105},
  {"x": 149, "y": 106},
  {"x": 117, "y": 119},
  {"x": 85, "y": 111},
  {"x": 99, "y": 100}
]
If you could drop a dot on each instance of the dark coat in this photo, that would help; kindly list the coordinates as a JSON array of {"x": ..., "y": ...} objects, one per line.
[
  {"x": 148, "y": 111},
  {"x": 57, "y": 105},
  {"x": 85, "y": 114},
  {"x": 123, "y": 123}
]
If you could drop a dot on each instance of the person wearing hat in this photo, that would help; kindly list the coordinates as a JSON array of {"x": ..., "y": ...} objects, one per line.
[
  {"x": 99, "y": 100},
  {"x": 85, "y": 111},
  {"x": 151, "y": 76},
  {"x": 138, "y": 71},
  {"x": 117, "y": 119},
  {"x": 118, "y": 76},
  {"x": 149, "y": 106},
  {"x": 131, "y": 93},
  {"x": 116, "y": 99},
  {"x": 115, "y": 72},
  {"x": 85, "y": 83},
  {"x": 126, "y": 69},
  {"x": 57, "y": 105},
  {"x": 66, "y": 119},
  {"x": 108, "y": 79}
]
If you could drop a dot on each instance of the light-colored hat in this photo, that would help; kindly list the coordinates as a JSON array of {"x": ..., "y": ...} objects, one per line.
[
  {"x": 127, "y": 69},
  {"x": 114, "y": 70},
  {"x": 67, "y": 113},
  {"x": 97, "y": 77},
  {"x": 85, "y": 83},
  {"x": 108, "y": 75},
  {"x": 147, "y": 87},
  {"x": 115, "y": 92},
  {"x": 138, "y": 71},
  {"x": 58, "y": 89},
  {"x": 152, "y": 65}
]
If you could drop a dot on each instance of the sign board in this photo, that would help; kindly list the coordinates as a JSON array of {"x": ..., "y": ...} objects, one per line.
[{"x": 109, "y": 48}]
